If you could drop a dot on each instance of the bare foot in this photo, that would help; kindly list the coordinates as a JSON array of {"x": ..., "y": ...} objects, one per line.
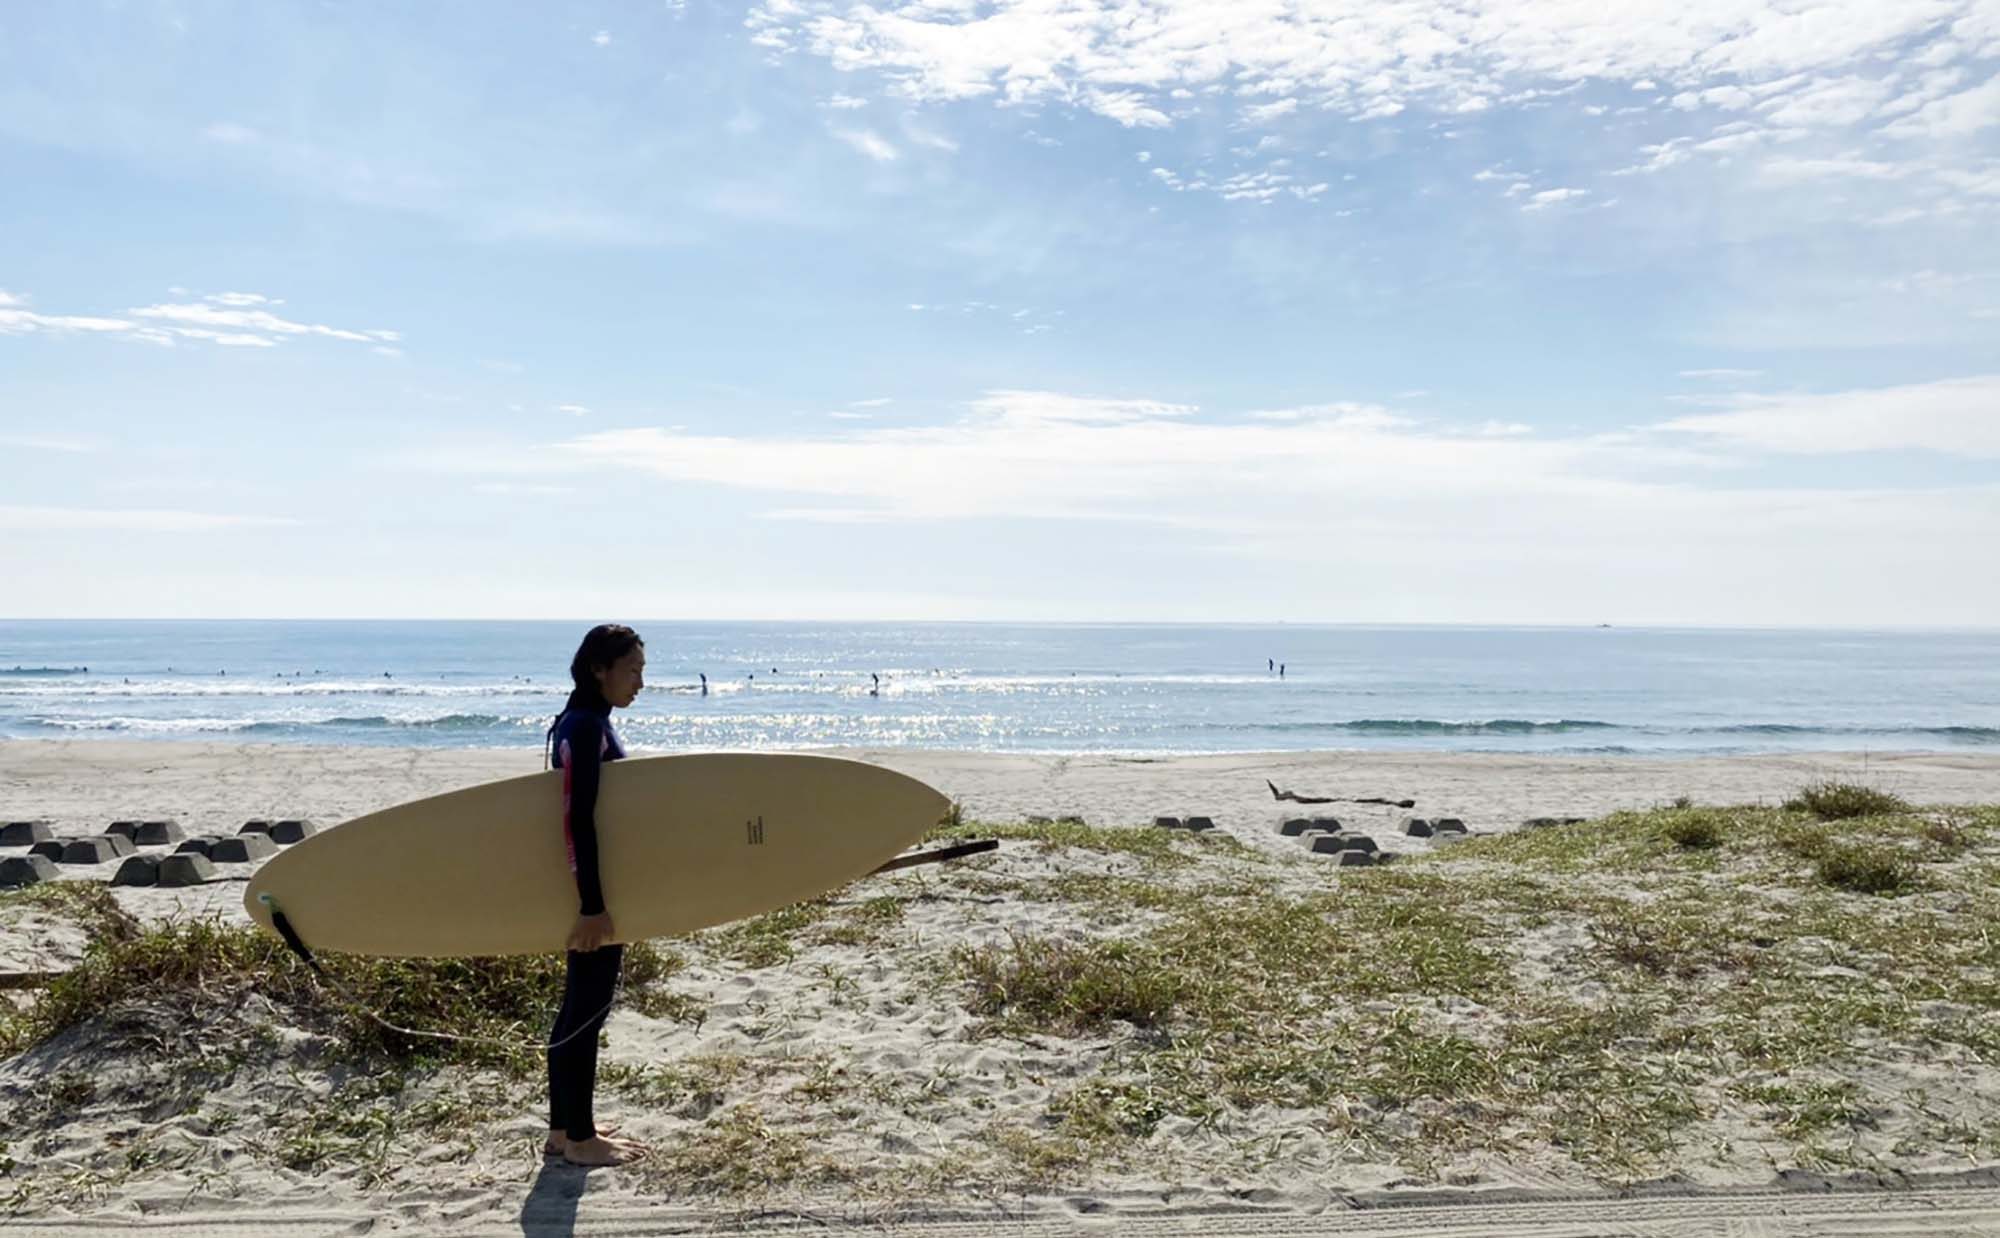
[
  {"x": 558, "y": 1141},
  {"x": 603, "y": 1151}
]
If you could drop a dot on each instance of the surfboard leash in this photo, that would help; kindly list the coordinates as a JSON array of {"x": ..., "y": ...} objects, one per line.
[{"x": 298, "y": 947}]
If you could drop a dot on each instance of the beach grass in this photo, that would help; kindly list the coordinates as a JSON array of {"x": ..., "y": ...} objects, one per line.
[
  {"x": 490, "y": 1011},
  {"x": 1645, "y": 993}
]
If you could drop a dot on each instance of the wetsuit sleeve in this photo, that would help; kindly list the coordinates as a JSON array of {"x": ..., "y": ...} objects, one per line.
[{"x": 582, "y": 765}]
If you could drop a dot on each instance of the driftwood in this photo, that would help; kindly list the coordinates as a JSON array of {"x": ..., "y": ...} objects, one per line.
[{"x": 1296, "y": 798}]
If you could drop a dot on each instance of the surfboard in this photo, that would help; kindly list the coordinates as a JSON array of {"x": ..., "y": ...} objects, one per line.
[{"x": 684, "y": 842}]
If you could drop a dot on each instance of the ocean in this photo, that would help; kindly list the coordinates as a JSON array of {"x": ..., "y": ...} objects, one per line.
[{"x": 1017, "y": 688}]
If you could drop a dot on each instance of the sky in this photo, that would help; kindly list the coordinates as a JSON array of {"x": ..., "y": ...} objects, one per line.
[{"x": 1341, "y": 311}]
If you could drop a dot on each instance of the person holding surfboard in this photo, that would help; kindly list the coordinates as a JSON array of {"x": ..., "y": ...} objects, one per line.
[{"x": 609, "y": 671}]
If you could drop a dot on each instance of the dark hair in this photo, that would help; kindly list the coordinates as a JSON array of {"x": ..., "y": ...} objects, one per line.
[{"x": 602, "y": 645}]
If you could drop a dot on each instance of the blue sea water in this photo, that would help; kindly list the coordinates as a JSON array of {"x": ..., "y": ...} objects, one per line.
[{"x": 1017, "y": 688}]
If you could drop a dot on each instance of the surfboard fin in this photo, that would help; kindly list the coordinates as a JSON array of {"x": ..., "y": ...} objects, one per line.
[
  {"x": 286, "y": 931},
  {"x": 938, "y": 855}
]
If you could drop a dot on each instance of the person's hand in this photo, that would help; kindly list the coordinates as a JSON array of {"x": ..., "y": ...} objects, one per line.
[{"x": 591, "y": 932}]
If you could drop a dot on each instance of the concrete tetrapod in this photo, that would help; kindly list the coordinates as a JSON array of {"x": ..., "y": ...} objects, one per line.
[
  {"x": 185, "y": 870},
  {"x": 26, "y": 870},
  {"x": 242, "y": 849},
  {"x": 24, "y": 833},
  {"x": 158, "y": 833},
  {"x": 138, "y": 870}
]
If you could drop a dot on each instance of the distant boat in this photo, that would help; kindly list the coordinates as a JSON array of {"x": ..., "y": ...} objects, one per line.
[
  {"x": 48, "y": 670},
  {"x": 1603, "y": 625}
]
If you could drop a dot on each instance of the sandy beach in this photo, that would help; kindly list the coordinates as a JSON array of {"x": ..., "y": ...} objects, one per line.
[
  {"x": 848, "y": 1054},
  {"x": 79, "y": 785}
]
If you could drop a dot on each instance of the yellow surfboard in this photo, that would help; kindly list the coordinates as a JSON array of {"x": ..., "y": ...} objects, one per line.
[{"x": 684, "y": 842}]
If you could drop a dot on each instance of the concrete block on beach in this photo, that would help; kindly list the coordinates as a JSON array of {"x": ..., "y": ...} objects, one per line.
[
  {"x": 100, "y": 850},
  {"x": 1297, "y": 826},
  {"x": 1329, "y": 844},
  {"x": 1417, "y": 827},
  {"x": 199, "y": 846},
  {"x": 1448, "y": 825},
  {"x": 242, "y": 849},
  {"x": 24, "y": 833},
  {"x": 1327, "y": 825},
  {"x": 26, "y": 870},
  {"x": 1198, "y": 824},
  {"x": 185, "y": 870},
  {"x": 292, "y": 831},
  {"x": 53, "y": 848},
  {"x": 1167, "y": 823},
  {"x": 123, "y": 829},
  {"x": 1345, "y": 852},
  {"x": 256, "y": 826},
  {"x": 158, "y": 833},
  {"x": 138, "y": 870}
]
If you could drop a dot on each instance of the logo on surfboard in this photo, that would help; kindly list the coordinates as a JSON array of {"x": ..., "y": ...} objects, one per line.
[{"x": 755, "y": 829}]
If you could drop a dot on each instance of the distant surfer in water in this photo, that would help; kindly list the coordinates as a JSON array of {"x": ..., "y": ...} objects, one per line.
[{"x": 609, "y": 670}]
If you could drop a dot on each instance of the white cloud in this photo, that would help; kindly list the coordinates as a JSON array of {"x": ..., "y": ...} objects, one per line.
[
  {"x": 602, "y": 38},
  {"x": 1128, "y": 108},
  {"x": 1545, "y": 198},
  {"x": 137, "y": 520},
  {"x": 574, "y": 410},
  {"x": 843, "y": 103},
  {"x": 1955, "y": 416},
  {"x": 1791, "y": 170},
  {"x": 877, "y": 402},
  {"x": 1847, "y": 72},
  {"x": 1722, "y": 375},
  {"x": 1661, "y": 156},
  {"x": 23, "y": 321},
  {"x": 868, "y": 142},
  {"x": 1354, "y": 56},
  {"x": 47, "y": 442},
  {"x": 1983, "y": 182},
  {"x": 532, "y": 489},
  {"x": 1955, "y": 116},
  {"x": 925, "y": 137},
  {"x": 227, "y": 339},
  {"x": 1264, "y": 112},
  {"x": 1325, "y": 492},
  {"x": 213, "y": 320}
]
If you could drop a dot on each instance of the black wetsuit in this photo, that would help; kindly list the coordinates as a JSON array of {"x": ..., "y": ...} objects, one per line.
[{"x": 583, "y": 741}]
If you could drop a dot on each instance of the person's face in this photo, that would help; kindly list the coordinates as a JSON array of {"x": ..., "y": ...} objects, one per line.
[{"x": 623, "y": 680}]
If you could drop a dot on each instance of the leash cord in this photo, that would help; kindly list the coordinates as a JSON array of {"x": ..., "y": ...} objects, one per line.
[{"x": 291, "y": 936}]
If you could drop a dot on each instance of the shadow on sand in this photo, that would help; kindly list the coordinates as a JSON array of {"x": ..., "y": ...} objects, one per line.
[{"x": 550, "y": 1209}]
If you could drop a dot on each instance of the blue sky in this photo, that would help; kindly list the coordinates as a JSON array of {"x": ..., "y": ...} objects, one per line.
[{"x": 1050, "y": 309}]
